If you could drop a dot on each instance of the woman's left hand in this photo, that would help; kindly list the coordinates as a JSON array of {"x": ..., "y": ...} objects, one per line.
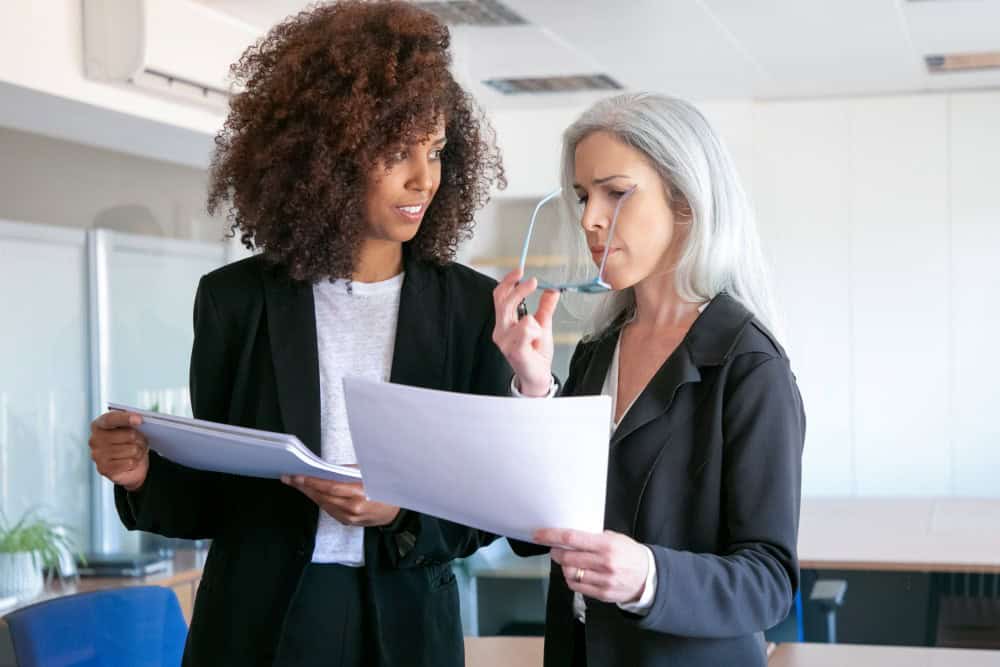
[
  {"x": 344, "y": 501},
  {"x": 604, "y": 566}
]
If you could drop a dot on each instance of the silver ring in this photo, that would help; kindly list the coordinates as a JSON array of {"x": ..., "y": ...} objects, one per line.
[
  {"x": 522, "y": 309},
  {"x": 579, "y": 575}
]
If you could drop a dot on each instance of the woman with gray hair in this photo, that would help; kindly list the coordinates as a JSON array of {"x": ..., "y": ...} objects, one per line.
[{"x": 704, "y": 474}]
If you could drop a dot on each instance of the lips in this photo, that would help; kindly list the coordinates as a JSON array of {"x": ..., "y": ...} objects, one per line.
[
  {"x": 412, "y": 212},
  {"x": 599, "y": 250}
]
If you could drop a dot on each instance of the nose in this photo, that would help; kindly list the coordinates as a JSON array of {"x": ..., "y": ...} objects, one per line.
[
  {"x": 594, "y": 218},
  {"x": 421, "y": 176}
]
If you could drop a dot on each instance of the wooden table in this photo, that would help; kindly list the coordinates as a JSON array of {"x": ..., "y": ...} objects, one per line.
[
  {"x": 853, "y": 655},
  {"x": 902, "y": 535},
  {"x": 183, "y": 575},
  {"x": 503, "y": 651}
]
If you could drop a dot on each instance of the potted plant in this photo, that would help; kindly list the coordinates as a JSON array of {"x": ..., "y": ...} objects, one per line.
[{"x": 25, "y": 548}]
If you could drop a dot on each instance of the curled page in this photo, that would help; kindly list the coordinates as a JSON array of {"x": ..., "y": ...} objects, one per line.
[{"x": 206, "y": 445}]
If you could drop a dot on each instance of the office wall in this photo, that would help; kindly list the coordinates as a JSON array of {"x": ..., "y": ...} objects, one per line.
[
  {"x": 882, "y": 220},
  {"x": 58, "y": 182},
  {"x": 57, "y": 189}
]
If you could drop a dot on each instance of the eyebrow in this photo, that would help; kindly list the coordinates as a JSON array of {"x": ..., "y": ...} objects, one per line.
[
  {"x": 602, "y": 181},
  {"x": 441, "y": 140}
]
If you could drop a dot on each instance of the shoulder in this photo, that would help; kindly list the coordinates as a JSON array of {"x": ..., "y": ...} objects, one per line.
[
  {"x": 759, "y": 362},
  {"x": 237, "y": 290},
  {"x": 242, "y": 274},
  {"x": 731, "y": 336}
]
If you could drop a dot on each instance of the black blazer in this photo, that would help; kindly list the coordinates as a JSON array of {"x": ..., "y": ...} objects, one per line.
[
  {"x": 705, "y": 469},
  {"x": 254, "y": 363}
]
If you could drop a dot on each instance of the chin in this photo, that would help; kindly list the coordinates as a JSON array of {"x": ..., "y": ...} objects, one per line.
[
  {"x": 622, "y": 280},
  {"x": 405, "y": 235},
  {"x": 398, "y": 233}
]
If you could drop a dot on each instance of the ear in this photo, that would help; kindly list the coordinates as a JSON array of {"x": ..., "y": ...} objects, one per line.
[{"x": 680, "y": 207}]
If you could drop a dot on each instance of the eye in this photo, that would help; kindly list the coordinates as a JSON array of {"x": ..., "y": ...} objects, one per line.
[
  {"x": 617, "y": 194},
  {"x": 436, "y": 153},
  {"x": 581, "y": 199}
]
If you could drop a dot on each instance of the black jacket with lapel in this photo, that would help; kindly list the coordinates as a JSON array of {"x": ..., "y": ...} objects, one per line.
[
  {"x": 254, "y": 363},
  {"x": 705, "y": 470}
]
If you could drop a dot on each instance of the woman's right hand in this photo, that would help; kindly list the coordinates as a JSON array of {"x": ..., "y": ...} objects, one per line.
[
  {"x": 525, "y": 342},
  {"x": 120, "y": 450}
]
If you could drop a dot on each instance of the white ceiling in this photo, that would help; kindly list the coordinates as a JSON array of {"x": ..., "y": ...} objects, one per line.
[{"x": 711, "y": 49}]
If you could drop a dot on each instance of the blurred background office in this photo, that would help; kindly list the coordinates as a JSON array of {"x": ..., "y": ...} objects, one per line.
[{"x": 867, "y": 133}]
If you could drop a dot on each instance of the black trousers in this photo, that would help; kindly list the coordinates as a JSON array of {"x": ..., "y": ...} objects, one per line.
[
  {"x": 325, "y": 625},
  {"x": 579, "y": 644}
]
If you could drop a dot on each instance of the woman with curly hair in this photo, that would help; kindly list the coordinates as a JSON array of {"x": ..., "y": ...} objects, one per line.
[{"x": 354, "y": 162}]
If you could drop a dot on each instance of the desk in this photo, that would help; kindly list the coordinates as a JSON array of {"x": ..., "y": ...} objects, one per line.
[
  {"x": 183, "y": 575},
  {"x": 504, "y": 651},
  {"x": 901, "y": 535},
  {"x": 839, "y": 655}
]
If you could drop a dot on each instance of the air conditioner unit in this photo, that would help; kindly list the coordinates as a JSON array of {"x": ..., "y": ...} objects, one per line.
[{"x": 176, "y": 47}]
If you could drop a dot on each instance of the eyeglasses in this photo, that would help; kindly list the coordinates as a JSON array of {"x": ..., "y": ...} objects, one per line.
[{"x": 596, "y": 286}]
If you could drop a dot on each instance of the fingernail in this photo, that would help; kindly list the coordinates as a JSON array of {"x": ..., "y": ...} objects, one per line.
[{"x": 135, "y": 420}]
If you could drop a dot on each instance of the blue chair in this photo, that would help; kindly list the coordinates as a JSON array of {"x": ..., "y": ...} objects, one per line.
[{"x": 126, "y": 627}]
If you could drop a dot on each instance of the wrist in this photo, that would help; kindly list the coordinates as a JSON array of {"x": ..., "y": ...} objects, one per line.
[
  {"x": 395, "y": 521},
  {"x": 134, "y": 488},
  {"x": 534, "y": 389}
]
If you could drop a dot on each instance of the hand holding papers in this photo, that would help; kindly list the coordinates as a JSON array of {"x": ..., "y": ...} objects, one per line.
[
  {"x": 206, "y": 445},
  {"x": 505, "y": 465}
]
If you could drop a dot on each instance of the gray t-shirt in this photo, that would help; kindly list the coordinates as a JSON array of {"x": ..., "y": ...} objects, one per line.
[{"x": 355, "y": 333}]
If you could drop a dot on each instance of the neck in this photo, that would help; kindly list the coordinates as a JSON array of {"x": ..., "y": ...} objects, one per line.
[
  {"x": 377, "y": 261},
  {"x": 658, "y": 306}
]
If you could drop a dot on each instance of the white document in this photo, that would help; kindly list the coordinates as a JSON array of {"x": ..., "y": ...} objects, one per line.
[
  {"x": 505, "y": 465},
  {"x": 206, "y": 445}
]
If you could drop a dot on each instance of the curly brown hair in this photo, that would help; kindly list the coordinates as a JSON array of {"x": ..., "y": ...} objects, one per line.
[{"x": 330, "y": 94}]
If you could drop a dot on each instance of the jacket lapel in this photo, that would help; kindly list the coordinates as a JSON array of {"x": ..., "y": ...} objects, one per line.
[
  {"x": 708, "y": 344},
  {"x": 419, "y": 354},
  {"x": 634, "y": 457},
  {"x": 291, "y": 326},
  {"x": 597, "y": 369},
  {"x": 655, "y": 399}
]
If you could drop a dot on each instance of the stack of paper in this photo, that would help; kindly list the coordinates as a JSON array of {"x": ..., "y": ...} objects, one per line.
[{"x": 206, "y": 445}]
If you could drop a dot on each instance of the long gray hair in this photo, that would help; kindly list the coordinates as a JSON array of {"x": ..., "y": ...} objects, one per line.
[{"x": 722, "y": 250}]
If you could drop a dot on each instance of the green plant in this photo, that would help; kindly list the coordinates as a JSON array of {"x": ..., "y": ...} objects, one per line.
[{"x": 33, "y": 534}]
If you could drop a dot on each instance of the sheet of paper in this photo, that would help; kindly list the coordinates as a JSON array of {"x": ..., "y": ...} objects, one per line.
[
  {"x": 206, "y": 445},
  {"x": 504, "y": 465}
]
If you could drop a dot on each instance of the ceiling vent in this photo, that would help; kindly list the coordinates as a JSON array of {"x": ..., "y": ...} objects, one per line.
[
  {"x": 554, "y": 84},
  {"x": 480, "y": 13}
]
